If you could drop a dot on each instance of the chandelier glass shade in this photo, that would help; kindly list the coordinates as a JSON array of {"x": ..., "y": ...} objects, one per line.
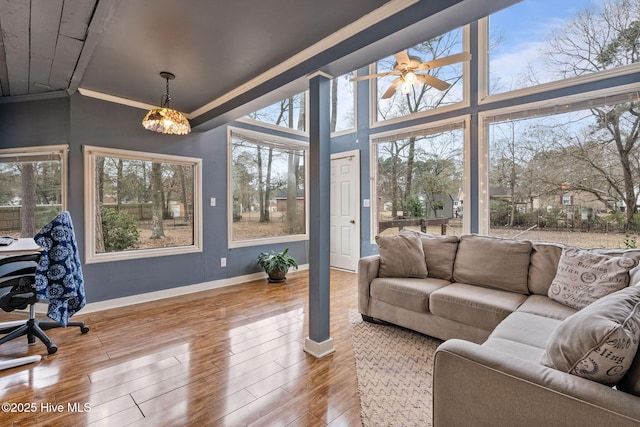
[{"x": 165, "y": 119}]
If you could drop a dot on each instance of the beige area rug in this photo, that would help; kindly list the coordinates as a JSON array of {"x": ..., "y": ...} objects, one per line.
[{"x": 394, "y": 368}]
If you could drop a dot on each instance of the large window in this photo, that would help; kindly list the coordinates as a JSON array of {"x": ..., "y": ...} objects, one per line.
[
  {"x": 32, "y": 188},
  {"x": 343, "y": 102},
  {"x": 267, "y": 188},
  {"x": 418, "y": 180},
  {"x": 140, "y": 204},
  {"x": 415, "y": 98},
  {"x": 567, "y": 173},
  {"x": 289, "y": 113},
  {"x": 542, "y": 41}
]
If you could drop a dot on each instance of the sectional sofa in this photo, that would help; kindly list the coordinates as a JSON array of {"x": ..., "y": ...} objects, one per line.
[{"x": 536, "y": 334}]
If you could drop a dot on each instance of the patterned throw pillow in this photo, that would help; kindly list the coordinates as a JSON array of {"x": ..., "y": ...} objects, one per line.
[
  {"x": 600, "y": 341},
  {"x": 585, "y": 276},
  {"x": 401, "y": 256}
]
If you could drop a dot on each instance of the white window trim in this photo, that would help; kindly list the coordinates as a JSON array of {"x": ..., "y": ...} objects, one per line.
[
  {"x": 90, "y": 153},
  {"x": 270, "y": 240},
  {"x": 483, "y": 74},
  {"x": 483, "y": 136},
  {"x": 466, "y": 92},
  {"x": 62, "y": 150},
  {"x": 465, "y": 120}
]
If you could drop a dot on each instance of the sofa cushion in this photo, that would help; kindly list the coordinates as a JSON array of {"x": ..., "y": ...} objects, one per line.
[
  {"x": 517, "y": 349},
  {"x": 544, "y": 306},
  {"x": 544, "y": 263},
  {"x": 584, "y": 276},
  {"x": 439, "y": 254},
  {"x": 412, "y": 294},
  {"x": 401, "y": 256},
  {"x": 493, "y": 262},
  {"x": 526, "y": 328},
  {"x": 473, "y": 305},
  {"x": 600, "y": 341}
]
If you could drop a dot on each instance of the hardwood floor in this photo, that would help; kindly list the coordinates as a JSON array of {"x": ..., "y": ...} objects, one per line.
[{"x": 230, "y": 356}]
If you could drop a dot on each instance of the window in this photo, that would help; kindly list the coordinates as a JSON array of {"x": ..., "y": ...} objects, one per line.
[
  {"x": 343, "y": 101},
  {"x": 267, "y": 188},
  {"x": 140, "y": 205},
  {"x": 421, "y": 97},
  {"x": 32, "y": 188},
  {"x": 289, "y": 113},
  {"x": 553, "y": 41},
  {"x": 568, "y": 172},
  {"x": 418, "y": 180}
]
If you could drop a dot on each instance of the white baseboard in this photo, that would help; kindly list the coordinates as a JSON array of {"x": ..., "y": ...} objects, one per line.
[
  {"x": 319, "y": 349},
  {"x": 166, "y": 293}
]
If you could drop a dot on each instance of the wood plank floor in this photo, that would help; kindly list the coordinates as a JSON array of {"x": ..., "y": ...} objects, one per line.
[{"x": 231, "y": 356}]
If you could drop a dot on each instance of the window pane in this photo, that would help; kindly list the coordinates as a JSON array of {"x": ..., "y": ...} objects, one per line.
[
  {"x": 143, "y": 204},
  {"x": 412, "y": 99},
  {"x": 343, "y": 103},
  {"x": 288, "y": 113},
  {"x": 558, "y": 40},
  {"x": 571, "y": 178},
  {"x": 419, "y": 183},
  {"x": 31, "y": 190},
  {"x": 268, "y": 188}
]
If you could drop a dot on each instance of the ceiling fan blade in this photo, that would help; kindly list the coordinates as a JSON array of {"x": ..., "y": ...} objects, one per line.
[
  {"x": 447, "y": 60},
  {"x": 402, "y": 58},
  {"x": 373, "y": 76},
  {"x": 392, "y": 89},
  {"x": 433, "y": 81}
]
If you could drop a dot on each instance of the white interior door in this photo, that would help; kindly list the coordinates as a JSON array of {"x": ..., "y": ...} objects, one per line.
[{"x": 345, "y": 212}]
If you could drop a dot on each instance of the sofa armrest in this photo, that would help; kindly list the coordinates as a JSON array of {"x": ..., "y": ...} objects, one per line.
[
  {"x": 367, "y": 271},
  {"x": 480, "y": 386}
]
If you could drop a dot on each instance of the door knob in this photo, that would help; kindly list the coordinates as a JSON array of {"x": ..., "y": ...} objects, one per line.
[{"x": 353, "y": 221}]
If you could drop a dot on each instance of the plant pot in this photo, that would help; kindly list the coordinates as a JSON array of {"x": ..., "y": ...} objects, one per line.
[{"x": 277, "y": 276}]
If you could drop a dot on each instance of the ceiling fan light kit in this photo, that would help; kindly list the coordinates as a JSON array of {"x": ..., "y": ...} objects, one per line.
[
  {"x": 165, "y": 119},
  {"x": 406, "y": 66}
]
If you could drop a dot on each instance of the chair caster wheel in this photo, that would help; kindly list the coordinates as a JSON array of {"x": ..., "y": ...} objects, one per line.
[
  {"x": 52, "y": 349},
  {"x": 84, "y": 329}
]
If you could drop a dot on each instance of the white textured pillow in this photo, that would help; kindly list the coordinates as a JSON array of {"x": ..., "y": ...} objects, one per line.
[
  {"x": 584, "y": 276},
  {"x": 600, "y": 341}
]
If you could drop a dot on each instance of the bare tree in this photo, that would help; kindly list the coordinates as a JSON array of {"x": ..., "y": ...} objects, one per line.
[
  {"x": 28, "y": 211},
  {"x": 157, "y": 200},
  {"x": 596, "y": 40}
]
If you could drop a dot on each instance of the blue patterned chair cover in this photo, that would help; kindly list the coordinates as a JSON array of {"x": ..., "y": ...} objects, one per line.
[{"x": 59, "y": 277}]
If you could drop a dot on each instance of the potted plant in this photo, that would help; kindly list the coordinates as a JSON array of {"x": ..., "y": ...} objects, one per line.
[{"x": 277, "y": 265}]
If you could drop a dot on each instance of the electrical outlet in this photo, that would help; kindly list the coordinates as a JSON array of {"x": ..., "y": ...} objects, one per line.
[
  {"x": 212, "y": 202},
  {"x": 365, "y": 203},
  {"x": 223, "y": 262}
]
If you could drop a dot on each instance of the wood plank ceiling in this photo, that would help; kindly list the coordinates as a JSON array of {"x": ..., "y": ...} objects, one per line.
[{"x": 41, "y": 42}]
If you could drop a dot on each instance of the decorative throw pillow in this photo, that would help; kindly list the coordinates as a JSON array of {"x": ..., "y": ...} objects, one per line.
[
  {"x": 585, "y": 276},
  {"x": 439, "y": 253},
  {"x": 401, "y": 256},
  {"x": 600, "y": 341}
]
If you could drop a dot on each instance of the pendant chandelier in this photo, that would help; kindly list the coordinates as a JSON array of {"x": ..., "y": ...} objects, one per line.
[{"x": 164, "y": 119}]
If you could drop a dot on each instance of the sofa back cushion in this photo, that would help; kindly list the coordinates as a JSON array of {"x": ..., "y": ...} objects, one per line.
[
  {"x": 584, "y": 276},
  {"x": 493, "y": 262},
  {"x": 439, "y": 254},
  {"x": 544, "y": 263},
  {"x": 401, "y": 256}
]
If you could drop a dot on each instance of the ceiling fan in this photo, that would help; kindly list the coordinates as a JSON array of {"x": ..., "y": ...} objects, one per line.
[{"x": 406, "y": 66}]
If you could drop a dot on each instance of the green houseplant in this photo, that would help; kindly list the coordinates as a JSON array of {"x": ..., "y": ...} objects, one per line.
[{"x": 276, "y": 265}]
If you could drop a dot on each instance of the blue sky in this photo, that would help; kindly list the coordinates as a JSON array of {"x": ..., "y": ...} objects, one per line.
[{"x": 524, "y": 28}]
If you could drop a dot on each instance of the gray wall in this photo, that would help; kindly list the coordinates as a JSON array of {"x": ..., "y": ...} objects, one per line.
[{"x": 79, "y": 121}]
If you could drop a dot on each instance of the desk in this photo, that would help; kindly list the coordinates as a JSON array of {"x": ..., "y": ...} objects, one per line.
[{"x": 23, "y": 245}]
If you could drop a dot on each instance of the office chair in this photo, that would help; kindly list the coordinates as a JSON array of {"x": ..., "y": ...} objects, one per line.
[
  {"x": 54, "y": 275},
  {"x": 17, "y": 280}
]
